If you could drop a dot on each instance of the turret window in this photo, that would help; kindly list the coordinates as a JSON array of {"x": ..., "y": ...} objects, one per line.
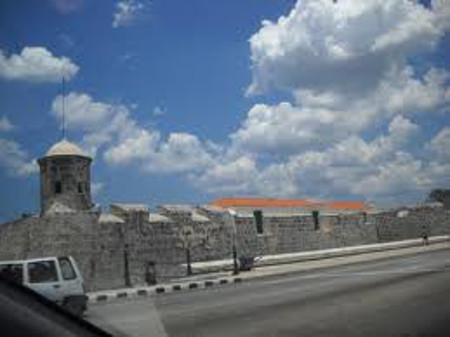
[
  {"x": 58, "y": 187},
  {"x": 80, "y": 188}
]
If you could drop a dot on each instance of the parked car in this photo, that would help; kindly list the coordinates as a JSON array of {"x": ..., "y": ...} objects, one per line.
[{"x": 56, "y": 278}]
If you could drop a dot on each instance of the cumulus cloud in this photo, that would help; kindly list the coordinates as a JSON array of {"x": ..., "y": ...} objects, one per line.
[
  {"x": 5, "y": 124},
  {"x": 320, "y": 43},
  {"x": 82, "y": 111},
  {"x": 127, "y": 12},
  {"x": 441, "y": 8},
  {"x": 158, "y": 111},
  {"x": 67, "y": 6},
  {"x": 180, "y": 152},
  {"x": 236, "y": 176},
  {"x": 440, "y": 144},
  {"x": 15, "y": 159},
  {"x": 348, "y": 167},
  {"x": 285, "y": 128},
  {"x": 97, "y": 188},
  {"x": 137, "y": 148},
  {"x": 36, "y": 64},
  {"x": 101, "y": 123},
  {"x": 113, "y": 128},
  {"x": 346, "y": 65}
]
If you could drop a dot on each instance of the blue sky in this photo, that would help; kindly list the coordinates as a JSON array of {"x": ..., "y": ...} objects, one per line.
[{"x": 187, "y": 101}]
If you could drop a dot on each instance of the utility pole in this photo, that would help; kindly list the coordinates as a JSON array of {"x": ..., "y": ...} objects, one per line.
[
  {"x": 232, "y": 215},
  {"x": 188, "y": 261}
]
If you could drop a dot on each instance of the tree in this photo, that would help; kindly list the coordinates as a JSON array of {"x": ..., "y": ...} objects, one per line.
[{"x": 439, "y": 195}]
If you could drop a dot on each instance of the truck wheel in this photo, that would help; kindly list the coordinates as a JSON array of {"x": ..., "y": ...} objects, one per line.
[{"x": 74, "y": 306}]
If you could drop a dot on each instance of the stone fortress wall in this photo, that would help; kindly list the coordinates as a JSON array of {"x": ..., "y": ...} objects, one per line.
[{"x": 131, "y": 246}]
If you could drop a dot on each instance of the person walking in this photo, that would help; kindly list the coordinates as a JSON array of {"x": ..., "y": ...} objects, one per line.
[{"x": 424, "y": 235}]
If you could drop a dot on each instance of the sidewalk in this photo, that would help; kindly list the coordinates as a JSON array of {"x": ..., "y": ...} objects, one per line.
[
  {"x": 339, "y": 261},
  {"x": 222, "y": 278},
  {"x": 268, "y": 260}
]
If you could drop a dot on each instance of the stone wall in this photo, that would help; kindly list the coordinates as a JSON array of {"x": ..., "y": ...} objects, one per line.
[
  {"x": 285, "y": 234},
  {"x": 134, "y": 248},
  {"x": 408, "y": 223},
  {"x": 58, "y": 235}
]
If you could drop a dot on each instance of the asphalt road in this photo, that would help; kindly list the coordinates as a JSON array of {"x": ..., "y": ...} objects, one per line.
[{"x": 406, "y": 296}]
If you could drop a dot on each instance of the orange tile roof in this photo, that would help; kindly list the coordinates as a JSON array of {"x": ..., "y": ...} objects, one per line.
[{"x": 280, "y": 203}]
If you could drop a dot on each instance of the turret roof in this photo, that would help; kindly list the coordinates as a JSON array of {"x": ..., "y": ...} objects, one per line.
[{"x": 65, "y": 148}]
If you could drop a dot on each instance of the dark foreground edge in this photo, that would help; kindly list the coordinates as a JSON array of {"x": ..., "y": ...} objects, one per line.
[{"x": 25, "y": 313}]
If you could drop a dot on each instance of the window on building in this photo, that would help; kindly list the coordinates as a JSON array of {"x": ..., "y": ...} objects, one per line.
[
  {"x": 58, "y": 187},
  {"x": 42, "y": 271},
  {"x": 364, "y": 217},
  {"x": 80, "y": 188},
  {"x": 259, "y": 221},
  {"x": 315, "y": 215}
]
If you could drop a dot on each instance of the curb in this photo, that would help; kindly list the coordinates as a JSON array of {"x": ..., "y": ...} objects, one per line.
[{"x": 109, "y": 296}]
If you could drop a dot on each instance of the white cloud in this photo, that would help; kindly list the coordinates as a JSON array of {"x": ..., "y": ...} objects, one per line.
[
  {"x": 158, "y": 111},
  {"x": 237, "y": 176},
  {"x": 402, "y": 174},
  {"x": 15, "y": 159},
  {"x": 96, "y": 188},
  {"x": 441, "y": 144},
  {"x": 139, "y": 147},
  {"x": 5, "y": 124},
  {"x": 441, "y": 9},
  {"x": 112, "y": 127},
  {"x": 36, "y": 64},
  {"x": 127, "y": 12},
  {"x": 348, "y": 167},
  {"x": 321, "y": 42},
  {"x": 102, "y": 123},
  {"x": 285, "y": 128},
  {"x": 346, "y": 65},
  {"x": 404, "y": 92},
  {"x": 181, "y": 152},
  {"x": 67, "y": 6},
  {"x": 82, "y": 111}
]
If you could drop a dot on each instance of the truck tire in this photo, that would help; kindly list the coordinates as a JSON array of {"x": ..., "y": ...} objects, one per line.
[{"x": 75, "y": 305}]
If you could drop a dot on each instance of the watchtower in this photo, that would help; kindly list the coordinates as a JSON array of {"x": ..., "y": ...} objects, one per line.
[{"x": 65, "y": 178}]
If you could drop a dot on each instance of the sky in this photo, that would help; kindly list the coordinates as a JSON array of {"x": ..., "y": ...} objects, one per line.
[{"x": 190, "y": 101}]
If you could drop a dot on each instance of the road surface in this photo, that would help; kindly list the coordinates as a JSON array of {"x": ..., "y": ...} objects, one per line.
[{"x": 406, "y": 296}]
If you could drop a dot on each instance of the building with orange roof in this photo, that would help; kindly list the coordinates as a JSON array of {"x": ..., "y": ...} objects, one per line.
[{"x": 292, "y": 205}]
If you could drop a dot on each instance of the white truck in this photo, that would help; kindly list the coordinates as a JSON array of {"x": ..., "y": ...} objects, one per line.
[{"x": 57, "y": 278}]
